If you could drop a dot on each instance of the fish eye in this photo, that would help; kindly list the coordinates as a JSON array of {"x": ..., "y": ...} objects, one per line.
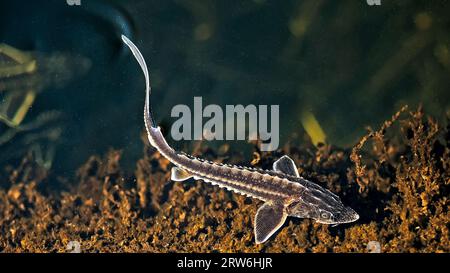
[{"x": 324, "y": 215}]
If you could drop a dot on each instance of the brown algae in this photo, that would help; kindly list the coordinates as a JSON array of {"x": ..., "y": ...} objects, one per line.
[{"x": 399, "y": 185}]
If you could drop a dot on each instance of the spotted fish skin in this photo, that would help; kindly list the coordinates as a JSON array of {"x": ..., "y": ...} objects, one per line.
[{"x": 282, "y": 190}]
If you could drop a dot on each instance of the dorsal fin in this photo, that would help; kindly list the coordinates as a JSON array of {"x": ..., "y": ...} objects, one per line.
[{"x": 286, "y": 165}]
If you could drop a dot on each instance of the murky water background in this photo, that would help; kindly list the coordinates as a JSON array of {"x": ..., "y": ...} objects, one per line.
[{"x": 347, "y": 64}]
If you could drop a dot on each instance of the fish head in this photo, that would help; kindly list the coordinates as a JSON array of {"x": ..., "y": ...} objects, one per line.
[
  {"x": 323, "y": 206},
  {"x": 336, "y": 216}
]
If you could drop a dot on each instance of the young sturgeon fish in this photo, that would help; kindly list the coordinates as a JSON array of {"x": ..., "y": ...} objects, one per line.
[{"x": 284, "y": 192}]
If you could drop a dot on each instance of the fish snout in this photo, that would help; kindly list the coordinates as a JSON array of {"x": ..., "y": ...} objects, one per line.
[{"x": 348, "y": 216}]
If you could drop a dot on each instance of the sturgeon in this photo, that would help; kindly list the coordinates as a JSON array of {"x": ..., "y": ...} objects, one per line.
[{"x": 283, "y": 191}]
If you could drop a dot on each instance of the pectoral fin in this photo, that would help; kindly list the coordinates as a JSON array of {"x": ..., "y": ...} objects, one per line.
[
  {"x": 178, "y": 174},
  {"x": 269, "y": 218},
  {"x": 286, "y": 165}
]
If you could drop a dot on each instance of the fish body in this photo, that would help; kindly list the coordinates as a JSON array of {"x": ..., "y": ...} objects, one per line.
[{"x": 282, "y": 190}]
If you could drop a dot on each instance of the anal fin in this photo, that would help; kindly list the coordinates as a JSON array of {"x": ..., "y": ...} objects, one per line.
[
  {"x": 178, "y": 174},
  {"x": 269, "y": 218}
]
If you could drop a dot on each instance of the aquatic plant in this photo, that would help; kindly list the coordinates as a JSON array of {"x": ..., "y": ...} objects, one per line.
[
  {"x": 403, "y": 201},
  {"x": 23, "y": 75}
]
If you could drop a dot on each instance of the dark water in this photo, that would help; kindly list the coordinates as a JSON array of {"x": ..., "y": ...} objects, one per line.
[{"x": 348, "y": 64}]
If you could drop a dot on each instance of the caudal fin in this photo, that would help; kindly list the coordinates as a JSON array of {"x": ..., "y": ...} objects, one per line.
[{"x": 148, "y": 117}]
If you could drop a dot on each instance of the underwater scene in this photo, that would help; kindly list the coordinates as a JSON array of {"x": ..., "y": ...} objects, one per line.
[{"x": 200, "y": 126}]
